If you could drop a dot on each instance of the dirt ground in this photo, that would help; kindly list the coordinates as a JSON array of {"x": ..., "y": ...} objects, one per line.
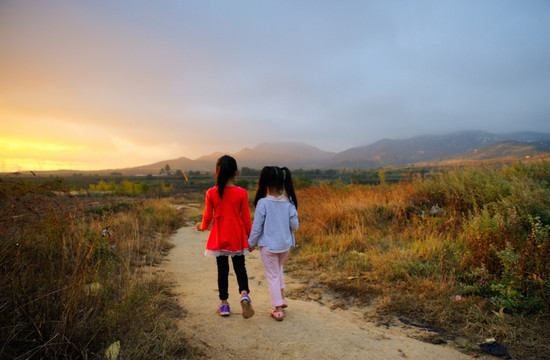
[{"x": 311, "y": 329}]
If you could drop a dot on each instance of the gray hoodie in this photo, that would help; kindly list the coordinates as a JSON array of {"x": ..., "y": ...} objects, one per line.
[{"x": 274, "y": 221}]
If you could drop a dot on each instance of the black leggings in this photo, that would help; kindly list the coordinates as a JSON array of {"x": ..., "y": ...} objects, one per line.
[{"x": 223, "y": 274}]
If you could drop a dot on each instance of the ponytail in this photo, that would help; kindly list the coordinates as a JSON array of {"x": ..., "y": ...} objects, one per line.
[
  {"x": 226, "y": 167},
  {"x": 261, "y": 191},
  {"x": 289, "y": 187},
  {"x": 275, "y": 178}
]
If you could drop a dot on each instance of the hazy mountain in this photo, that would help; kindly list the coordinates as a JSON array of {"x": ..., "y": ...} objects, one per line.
[
  {"x": 525, "y": 136},
  {"x": 291, "y": 155},
  {"x": 466, "y": 145},
  {"x": 505, "y": 149},
  {"x": 388, "y": 152},
  {"x": 179, "y": 163}
]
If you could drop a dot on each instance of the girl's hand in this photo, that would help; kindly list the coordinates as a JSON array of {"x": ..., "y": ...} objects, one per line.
[
  {"x": 198, "y": 226},
  {"x": 251, "y": 248}
]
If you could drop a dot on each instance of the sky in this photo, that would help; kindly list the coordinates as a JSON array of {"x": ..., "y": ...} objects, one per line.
[{"x": 112, "y": 84}]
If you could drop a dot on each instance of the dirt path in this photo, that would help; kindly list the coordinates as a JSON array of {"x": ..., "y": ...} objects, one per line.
[{"x": 310, "y": 330}]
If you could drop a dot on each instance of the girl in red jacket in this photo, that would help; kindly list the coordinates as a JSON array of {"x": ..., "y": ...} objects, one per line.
[{"x": 227, "y": 204}]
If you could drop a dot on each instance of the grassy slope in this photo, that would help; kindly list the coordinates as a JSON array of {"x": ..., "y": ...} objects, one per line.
[
  {"x": 66, "y": 291},
  {"x": 374, "y": 244},
  {"x": 489, "y": 243}
]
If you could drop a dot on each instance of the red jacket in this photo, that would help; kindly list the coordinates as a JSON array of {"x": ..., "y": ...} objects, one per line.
[{"x": 232, "y": 224}]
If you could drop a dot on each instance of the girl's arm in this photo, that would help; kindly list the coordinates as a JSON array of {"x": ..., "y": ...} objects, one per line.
[
  {"x": 245, "y": 214},
  {"x": 258, "y": 225},
  {"x": 208, "y": 213},
  {"x": 293, "y": 218}
]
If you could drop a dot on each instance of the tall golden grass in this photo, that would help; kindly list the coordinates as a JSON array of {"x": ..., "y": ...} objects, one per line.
[
  {"x": 73, "y": 281},
  {"x": 412, "y": 247}
]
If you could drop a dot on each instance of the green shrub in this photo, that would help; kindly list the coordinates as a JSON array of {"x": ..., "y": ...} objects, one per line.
[{"x": 130, "y": 188}]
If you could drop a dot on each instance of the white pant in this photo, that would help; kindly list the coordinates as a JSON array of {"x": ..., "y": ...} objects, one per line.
[{"x": 273, "y": 267}]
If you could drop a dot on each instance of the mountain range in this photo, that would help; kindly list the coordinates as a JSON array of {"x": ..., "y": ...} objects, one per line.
[{"x": 459, "y": 146}]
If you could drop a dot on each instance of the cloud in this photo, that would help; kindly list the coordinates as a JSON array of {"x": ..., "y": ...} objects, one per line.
[{"x": 190, "y": 78}]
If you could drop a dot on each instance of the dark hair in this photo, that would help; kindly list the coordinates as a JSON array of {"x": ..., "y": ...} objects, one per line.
[
  {"x": 278, "y": 178},
  {"x": 226, "y": 167}
]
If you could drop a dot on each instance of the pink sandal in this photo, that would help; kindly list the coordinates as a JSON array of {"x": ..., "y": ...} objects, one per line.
[{"x": 277, "y": 315}]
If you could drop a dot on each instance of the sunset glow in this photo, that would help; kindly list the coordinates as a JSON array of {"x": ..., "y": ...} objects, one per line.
[
  {"x": 103, "y": 85},
  {"x": 37, "y": 154},
  {"x": 7, "y": 146}
]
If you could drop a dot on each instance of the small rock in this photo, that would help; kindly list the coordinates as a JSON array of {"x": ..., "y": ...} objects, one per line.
[{"x": 112, "y": 351}]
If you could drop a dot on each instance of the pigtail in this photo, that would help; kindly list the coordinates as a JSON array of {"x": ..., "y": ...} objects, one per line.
[
  {"x": 289, "y": 187},
  {"x": 274, "y": 177},
  {"x": 261, "y": 191}
]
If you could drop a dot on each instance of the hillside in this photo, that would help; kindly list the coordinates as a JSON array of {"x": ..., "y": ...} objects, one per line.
[
  {"x": 434, "y": 149},
  {"x": 386, "y": 152},
  {"x": 408, "y": 151},
  {"x": 503, "y": 150},
  {"x": 292, "y": 155},
  {"x": 179, "y": 163}
]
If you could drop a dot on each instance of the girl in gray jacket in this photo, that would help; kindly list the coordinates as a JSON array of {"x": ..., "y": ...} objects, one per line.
[{"x": 275, "y": 220}]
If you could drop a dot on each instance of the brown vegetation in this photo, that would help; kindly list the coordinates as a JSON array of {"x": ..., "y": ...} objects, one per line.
[
  {"x": 72, "y": 277},
  {"x": 466, "y": 250}
]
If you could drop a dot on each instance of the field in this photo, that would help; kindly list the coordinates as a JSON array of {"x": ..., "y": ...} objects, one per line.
[
  {"x": 462, "y": 250},
  {"x": 78, "y": 275},
  {"x": 465, "y": 251},
  {"x": 199, "y": 182}
]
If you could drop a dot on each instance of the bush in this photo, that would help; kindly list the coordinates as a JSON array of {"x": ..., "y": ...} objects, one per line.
[
  {"x": 302, "y": 182},
  {"x": 68, "y": 288},
  {"x": 482, "y": 233},
  {"x": 130, "y": 188},
  {"x": 242, "y": 183}
]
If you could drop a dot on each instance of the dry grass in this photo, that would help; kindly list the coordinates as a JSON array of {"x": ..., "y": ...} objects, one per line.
[
  {"x": 72, "y": 280},
  {"x": 489, "y": 243}
]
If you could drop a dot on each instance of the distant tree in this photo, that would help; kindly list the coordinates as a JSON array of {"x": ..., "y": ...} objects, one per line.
[
  {"x": 245, "y": 171},
  {"x": 181, "y": 173},
  {"x": 356, "y": 178},
  {"x": 167, "y": 169},
  {"x": 242, "y": 183},
  {"x": 162, "y": 171},
  {"x": 302, "y": 181},
  {"x": 382, "y": 177},
  {"x": 423, "y": 172}
]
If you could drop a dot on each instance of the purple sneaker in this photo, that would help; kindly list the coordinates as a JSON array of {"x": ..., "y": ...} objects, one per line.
[
  {"x": 223, "y": 309},
  {"x": 246, "y": 305}
]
